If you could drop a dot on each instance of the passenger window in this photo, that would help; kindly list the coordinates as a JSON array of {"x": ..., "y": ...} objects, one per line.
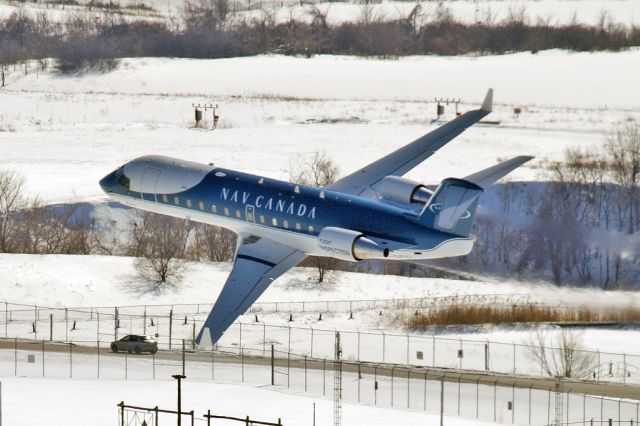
[
  {"x": 188, "y": 203},
  {"x": 176, "y": 201},
  {"x": 274, "y": 221},
  {"x": 213, "y": 208},
  {"x": 238, "y": 214},
  {"x": 285, "y": 224},
  {"x": 201, "y": 205},
  {"x": 262, "y": 219},
  {"x": 226, "y": 211},
  {"x": 298, "y": 227},
  {"x": 310, "y": 229},
  {"x": 165, "y": 199}
]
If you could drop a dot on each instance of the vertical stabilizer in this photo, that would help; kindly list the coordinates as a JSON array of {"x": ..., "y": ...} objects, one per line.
[{"x": 452, "y": 207}]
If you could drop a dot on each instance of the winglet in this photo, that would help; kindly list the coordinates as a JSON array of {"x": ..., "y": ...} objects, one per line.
[{"x": 487, "y": 104}]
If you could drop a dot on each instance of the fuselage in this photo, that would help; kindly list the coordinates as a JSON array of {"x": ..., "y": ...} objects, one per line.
[{"x": 282, "y": 211}]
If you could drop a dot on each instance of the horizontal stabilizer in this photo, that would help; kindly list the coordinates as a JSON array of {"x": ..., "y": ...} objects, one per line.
[{"x": 488, "y": 176}]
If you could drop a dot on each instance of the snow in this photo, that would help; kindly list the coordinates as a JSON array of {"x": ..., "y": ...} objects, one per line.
[
  {"x": 92, "y": 280},
  {"x": 65, "y": 132},
  {"x": 82, "y": 402}
]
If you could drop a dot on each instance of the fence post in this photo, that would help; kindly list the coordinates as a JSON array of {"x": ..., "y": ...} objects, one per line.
[
  {"x": 311, "y": 351},
  {"x": 42, "y": 358},
  {"x": 324, "y": 376},
  {"x": 193, "y": 336},
  {"x": 383, "y": 345},
  {"x": 66, "y": 325},
  {"x": 183, "y": 358},
  {"x": 70, "y": 360},
  {"x": 478, "y": 398},
  {"x": 358, "y": 345},
  {"x": 116, "y": 323},
  {"x": 15, "y": 357},
  {"x": 409, "y": 388},
  {"x": 424, "y": 408},
  {"x": 514, "y": 358},
  {"x": 6, "y": 319},
  {"x": 433, "y": 353},
  {"x": 240, "y": 342},
  {"x": 170, "y": 326},
  {"x": 486, "y": 356},
  {"x": 441, "y": 400},
  {"x": 121, "y": 413},
  {"x": 273, "y": 366},
  {"x": 289, "y": 359},
  {"x": 392, "y": 370},
  {"x": 98, "y": 350},
  {"x": 305, "y": 373},
  {"x": 495, "y": 384}
]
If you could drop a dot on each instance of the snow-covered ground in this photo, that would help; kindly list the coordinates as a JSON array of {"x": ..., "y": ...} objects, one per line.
[
  {"x": 82, "y": 402},
  {"x": 65, "y": 132},
  {"x": 68, "y": 281}
]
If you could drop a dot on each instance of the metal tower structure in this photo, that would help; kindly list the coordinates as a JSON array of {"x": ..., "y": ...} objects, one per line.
[{"x": 337, "y": 383}]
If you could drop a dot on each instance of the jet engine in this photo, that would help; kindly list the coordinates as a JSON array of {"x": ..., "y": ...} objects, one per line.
[
  {"x": 349, "y": 245},
  {"x": 403, "y": 191}
]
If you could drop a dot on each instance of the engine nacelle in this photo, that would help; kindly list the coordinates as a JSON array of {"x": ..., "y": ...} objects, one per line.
[
  {"x": 403, "y": 191},
  {"x": 349, "y": 245}
]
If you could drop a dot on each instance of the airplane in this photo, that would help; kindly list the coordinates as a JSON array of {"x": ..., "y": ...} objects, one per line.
[{"x": 373, "y": 213}]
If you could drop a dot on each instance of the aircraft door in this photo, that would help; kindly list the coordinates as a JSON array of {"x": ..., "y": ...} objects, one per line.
[
  {"x": 149, "y": 186},
  {"x": 250, "y": 214}
]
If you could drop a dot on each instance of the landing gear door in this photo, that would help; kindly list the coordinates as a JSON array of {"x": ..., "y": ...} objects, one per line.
[{"x": 149, "y": 187}]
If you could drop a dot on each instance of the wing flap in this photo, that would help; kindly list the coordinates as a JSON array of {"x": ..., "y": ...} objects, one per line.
[{"x": 259, "y": 261}]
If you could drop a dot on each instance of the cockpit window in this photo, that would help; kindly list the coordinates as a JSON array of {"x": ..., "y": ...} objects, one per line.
[{"x": 122, "y": 179}]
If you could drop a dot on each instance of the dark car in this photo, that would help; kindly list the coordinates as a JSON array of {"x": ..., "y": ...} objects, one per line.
[{"x": 135, "y": 343}]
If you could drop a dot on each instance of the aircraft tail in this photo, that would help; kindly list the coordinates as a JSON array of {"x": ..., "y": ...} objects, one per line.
[{"x": 452, "y": 206}]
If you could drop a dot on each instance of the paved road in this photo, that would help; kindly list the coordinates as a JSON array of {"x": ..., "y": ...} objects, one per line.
[{"x": 597, "y": 388}]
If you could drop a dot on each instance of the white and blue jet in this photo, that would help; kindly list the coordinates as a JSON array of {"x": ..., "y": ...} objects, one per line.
[{"x": 372, "y": 213}]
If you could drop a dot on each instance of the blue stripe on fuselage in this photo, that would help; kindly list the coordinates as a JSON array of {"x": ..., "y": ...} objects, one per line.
[{"x": 304, "y": 210}]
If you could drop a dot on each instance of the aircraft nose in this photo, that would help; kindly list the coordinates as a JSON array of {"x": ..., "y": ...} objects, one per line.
[{"x": 108, "y": 182}]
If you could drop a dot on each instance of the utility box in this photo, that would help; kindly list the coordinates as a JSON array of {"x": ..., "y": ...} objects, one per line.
[
  {"x": 419, "y": 355},
  {"x": 460, "y": 353},
  {"x": 440, "y": 109}
]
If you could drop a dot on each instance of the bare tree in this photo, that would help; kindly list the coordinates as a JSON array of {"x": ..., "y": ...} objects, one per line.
[
  {"x": 212, "y": 243},
  {"x": 317, "y": 171},
  {"x": 563, "y": 355},
  {"x": 12, "y": 200},
  {"x": 165, "y": 239},
  {"x": 623, "y": 149}
]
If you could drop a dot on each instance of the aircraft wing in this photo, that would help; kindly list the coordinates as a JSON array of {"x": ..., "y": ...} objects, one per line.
[
  {"x": 409, "y": 156},
  {"x": 258, "y": 262}
]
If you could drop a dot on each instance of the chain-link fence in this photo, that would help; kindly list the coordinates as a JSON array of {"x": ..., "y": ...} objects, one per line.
[
  {"x": 173, "y": 323},
  {"x": 474, "y": 395}
]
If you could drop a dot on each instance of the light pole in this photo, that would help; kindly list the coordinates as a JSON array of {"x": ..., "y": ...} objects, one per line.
[{"x": 179, "y": 378}]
